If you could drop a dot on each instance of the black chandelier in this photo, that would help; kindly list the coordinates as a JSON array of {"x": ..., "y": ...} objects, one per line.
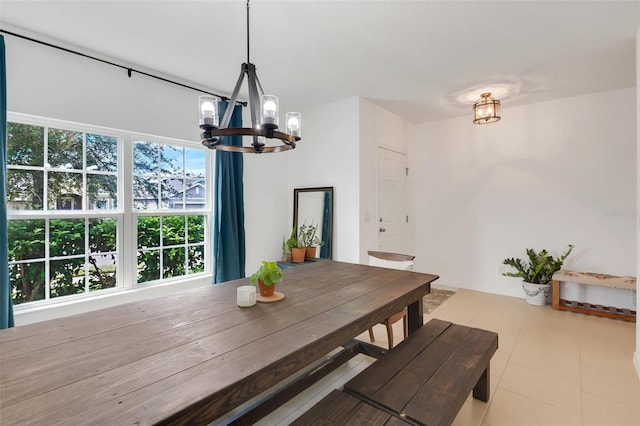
[{"x": 264, "y": 117}]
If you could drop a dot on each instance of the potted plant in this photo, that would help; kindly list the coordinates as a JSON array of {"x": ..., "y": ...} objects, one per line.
[
  {"x": 296, "y": 247},
  {"x": 268, "y": 275},
  {"x": 536, "y": 273},
  {"x": 309, "y": 239}
]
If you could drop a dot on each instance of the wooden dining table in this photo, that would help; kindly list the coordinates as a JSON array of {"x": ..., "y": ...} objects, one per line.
[{"x": 191, "y": 357}]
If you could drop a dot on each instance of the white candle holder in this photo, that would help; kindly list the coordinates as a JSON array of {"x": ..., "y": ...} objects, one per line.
[{"x": 246, "y": 296}]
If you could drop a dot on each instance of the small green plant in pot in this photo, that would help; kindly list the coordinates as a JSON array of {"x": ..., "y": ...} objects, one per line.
[
  {"x": 268, "y": 275},
  {"x": 296, "y": 247},
  {"x": 536, "y": 273},
  {"x": 309, "y": 239}
]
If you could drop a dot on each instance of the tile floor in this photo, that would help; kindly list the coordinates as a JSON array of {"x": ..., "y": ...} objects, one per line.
[{"x": 551, "y": 367}]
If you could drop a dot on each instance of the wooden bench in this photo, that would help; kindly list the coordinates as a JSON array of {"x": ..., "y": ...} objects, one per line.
[
  {"x": 422, "y": 381},
  {"x": 590, "y": 278}
]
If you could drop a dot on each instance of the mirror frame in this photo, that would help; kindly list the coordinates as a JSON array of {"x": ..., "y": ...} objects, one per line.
[{"x": 297, "y": 192}]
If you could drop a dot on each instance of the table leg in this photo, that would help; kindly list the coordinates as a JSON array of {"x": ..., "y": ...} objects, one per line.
[{"x": 414, "y": 315}]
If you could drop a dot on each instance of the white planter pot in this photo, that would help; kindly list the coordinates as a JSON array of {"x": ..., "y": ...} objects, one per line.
[{"x": 537, "y": 294}]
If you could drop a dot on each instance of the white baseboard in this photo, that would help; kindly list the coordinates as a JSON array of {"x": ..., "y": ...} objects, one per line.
[{"x": 636, "y": 362}]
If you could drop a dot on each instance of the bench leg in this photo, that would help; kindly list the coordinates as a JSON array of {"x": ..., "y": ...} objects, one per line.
[
  {"x": 555, "y": 294},
  {"x": 481, "y": 390}
]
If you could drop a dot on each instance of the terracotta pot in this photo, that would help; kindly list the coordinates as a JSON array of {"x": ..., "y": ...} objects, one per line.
[
  {"x": 310, "y": 252},
  {"x": 266, "y": 290},
  {"x": 297, "y": 254}
]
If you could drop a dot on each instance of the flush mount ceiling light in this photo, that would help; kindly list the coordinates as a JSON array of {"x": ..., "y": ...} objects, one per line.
[
  {"x": 486, "y": 109},
  {"x": 264, "y": 117}
]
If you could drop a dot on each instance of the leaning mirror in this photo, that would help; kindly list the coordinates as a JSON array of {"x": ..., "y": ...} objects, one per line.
[{"x": 314, "y": 206}]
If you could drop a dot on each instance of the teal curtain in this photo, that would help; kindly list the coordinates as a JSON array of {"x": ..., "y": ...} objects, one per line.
[
  {"x": 228, "y": 221},
  {"x": 325, "y": 249},
  {"x": 6, "y": 307}
]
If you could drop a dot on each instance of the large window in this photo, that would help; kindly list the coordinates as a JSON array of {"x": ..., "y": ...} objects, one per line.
[{"x": 72, "y": 191}]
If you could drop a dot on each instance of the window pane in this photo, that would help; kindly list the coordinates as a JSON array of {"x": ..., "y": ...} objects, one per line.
[
  {"x": 66, "y": 237},
  {"x": 172, "y": 160},
  {"x": 102, "y": 191},
  {"x": 103, "y": 235},
  {"x": 25, "y": 190},
  {"x": 195, "y": 160},
  {"x": 146, "y": 158},
  {"x": 172, "y": 193},
  {"x": 102, "y": 153},
  {"x": 66, "y": 277},
  {"x": 148, "y": 232},
  {"x": 173, "y": 230},
  {"x": 148, "y": 266},
  {"x": 196, "y": 229},
  {"x": 195, "y": 194},
  {"x": 25, "y": 145},
  {"x": 65, "y": 191},
  {"x": 27, "y": 282},
  {"x": 196, "y": 259},
  {"x": 173, "y": 262},
  {"x": 26, "y": 239},
  {"x": 65, "y": 149},
  {"x": 102, "y": 271},
  {"x": 145, "y": 193}
]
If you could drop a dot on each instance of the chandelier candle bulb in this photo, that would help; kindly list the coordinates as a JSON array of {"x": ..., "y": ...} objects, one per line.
[
  {"x": 208, "y": 111},
  {"x": 294, "y": 123},
  {"x": 269, "y": 107}
]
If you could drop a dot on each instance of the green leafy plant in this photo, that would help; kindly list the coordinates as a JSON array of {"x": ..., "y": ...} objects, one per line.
[
  {"x": 269, "y": 273},
  {"x": 539, "y": 268},
  {"x": 294, "y": 240},
  {"x": 307, "y": 235}
]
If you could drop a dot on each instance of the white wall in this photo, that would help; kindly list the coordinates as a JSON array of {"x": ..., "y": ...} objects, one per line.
[
  {"x": 327, "y": 155},
  {"x": 547, "y": 175},
  {"x": 267, "y": 203},
  {"x": 378, "y": 128},
  {"x": 51, "y": 83}
]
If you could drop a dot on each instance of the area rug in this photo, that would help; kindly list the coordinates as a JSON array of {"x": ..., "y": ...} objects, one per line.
[{"x": 436, "y": 298}]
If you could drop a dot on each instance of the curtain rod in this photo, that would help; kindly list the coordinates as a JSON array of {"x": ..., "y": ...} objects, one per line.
[{"x": 129, "y": 69}]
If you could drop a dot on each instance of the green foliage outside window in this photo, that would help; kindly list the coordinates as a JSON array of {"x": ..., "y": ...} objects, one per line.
[
  {"x": 67, "y": 257},
  {"x": 171, "y": 231}
]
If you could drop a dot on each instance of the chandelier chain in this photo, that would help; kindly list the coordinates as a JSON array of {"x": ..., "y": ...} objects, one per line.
[{"x": 248, "y": 61}]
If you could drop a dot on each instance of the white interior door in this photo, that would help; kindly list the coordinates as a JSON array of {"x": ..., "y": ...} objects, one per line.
[{"x": 392, "y": 201}]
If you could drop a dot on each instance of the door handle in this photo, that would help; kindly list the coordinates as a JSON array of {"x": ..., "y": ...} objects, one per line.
[{"x": 382, "y": 230}]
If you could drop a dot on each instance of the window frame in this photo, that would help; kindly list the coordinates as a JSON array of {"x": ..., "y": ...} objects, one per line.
[{"x": 126, "y": 216}]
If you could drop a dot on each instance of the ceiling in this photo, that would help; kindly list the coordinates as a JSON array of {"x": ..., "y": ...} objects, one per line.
[{"x": 423, "y": 60}]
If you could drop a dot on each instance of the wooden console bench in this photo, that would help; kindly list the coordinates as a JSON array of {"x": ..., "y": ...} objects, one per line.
[
  {"x": 422, "y": 381},
  {"x": 590, "y": 278}
]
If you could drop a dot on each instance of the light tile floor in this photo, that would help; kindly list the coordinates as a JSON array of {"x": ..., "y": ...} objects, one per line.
[{"x": 551, "y": 367}]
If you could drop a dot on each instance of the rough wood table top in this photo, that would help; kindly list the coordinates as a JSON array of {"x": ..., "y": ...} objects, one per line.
[{"x": 193, "y": 356}]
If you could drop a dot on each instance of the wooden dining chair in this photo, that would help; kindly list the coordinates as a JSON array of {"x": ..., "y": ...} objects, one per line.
[{"x": 392, "y": 261}]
